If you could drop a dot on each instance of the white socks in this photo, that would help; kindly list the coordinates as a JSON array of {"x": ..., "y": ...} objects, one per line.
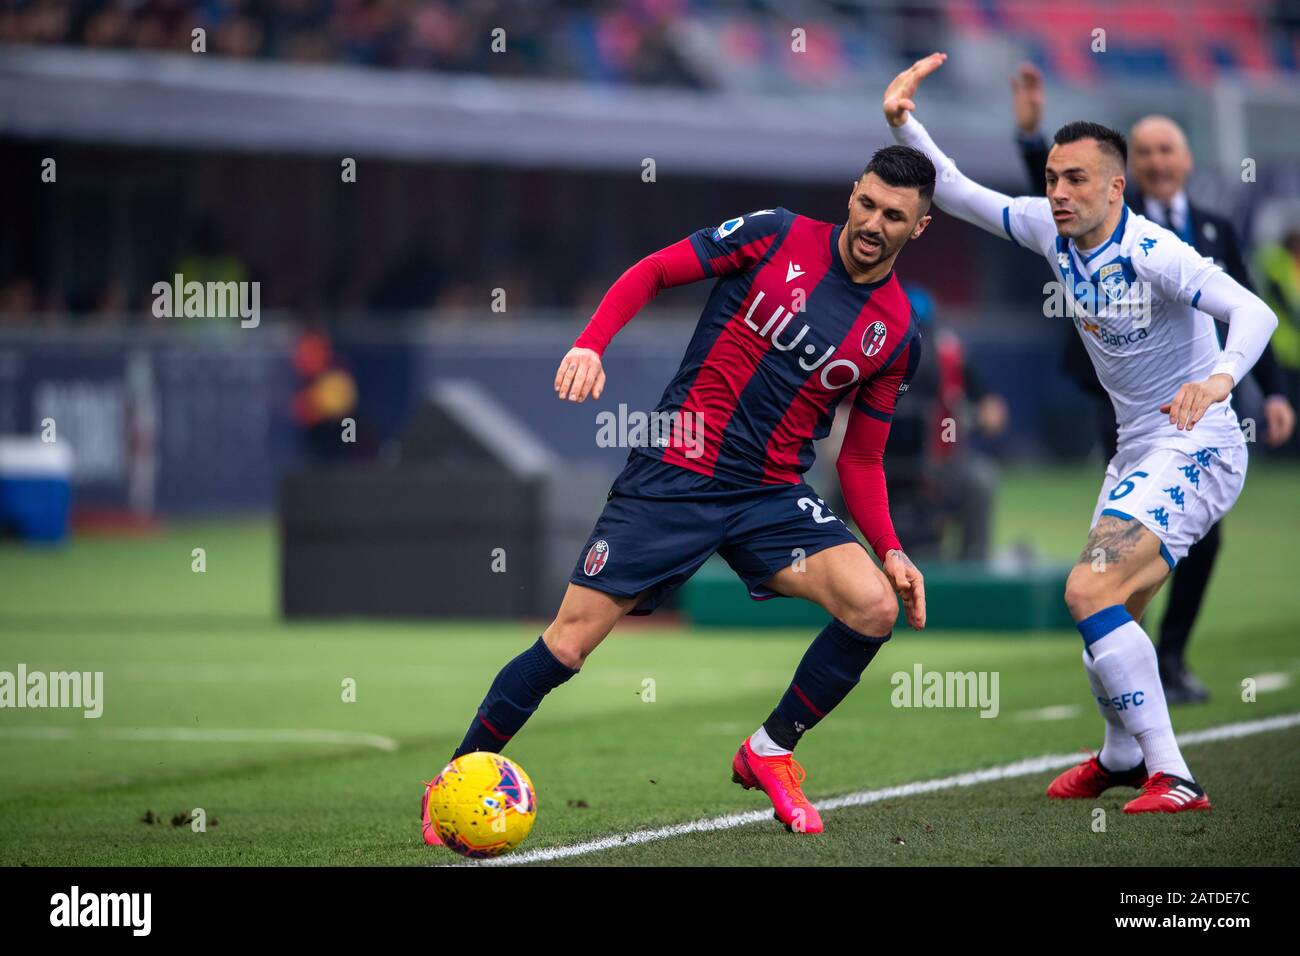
[
  {"x": 765, "y": 746},
  {"x": 1124, "y": 661},
  {"x": 1119, "y": 750}
]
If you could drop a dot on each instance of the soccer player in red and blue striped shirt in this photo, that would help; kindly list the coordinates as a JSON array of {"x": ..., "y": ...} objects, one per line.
[{"x": 803, "y": 316}]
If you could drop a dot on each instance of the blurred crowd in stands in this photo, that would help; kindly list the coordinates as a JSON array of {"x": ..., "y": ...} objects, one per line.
[
  {"x": 596, "y": 41},
  {"x": 710, "y": 43},
  {"x": 536, "y": 244}
]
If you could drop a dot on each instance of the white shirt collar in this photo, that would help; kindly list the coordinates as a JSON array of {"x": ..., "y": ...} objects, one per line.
[{"x": 1178, "y": 207}]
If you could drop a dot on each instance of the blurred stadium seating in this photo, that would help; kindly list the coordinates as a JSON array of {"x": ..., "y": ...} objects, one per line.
[{"x": 703, "y": 43}]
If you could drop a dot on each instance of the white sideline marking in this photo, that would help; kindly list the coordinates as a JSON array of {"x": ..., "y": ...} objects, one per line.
[
  {"x": 1059, "y": 712},
  {"x": 36, "y": 733},
  {"x": 1021, "y": 768},
  {"x": 204, "y": 736},
  {"x": 1264, "y": 683},
  {"x": 253, "y": 736}
]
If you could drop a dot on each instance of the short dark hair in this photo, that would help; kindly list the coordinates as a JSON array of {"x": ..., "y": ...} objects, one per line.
[
  {"x": 1110, "y": 140},
  {"x": 903, "y": 166}
]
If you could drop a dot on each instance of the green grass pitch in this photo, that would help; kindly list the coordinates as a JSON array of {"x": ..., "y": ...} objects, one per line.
[{"x": 212, "y": 702}]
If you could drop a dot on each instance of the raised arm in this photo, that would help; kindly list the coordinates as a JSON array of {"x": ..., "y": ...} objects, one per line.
[
  {"x": 732, "y": 246},
  {"x": 671, "y": 266},
  {"x": 580, "y": 373},
  {"x": 953, "y": 191}
]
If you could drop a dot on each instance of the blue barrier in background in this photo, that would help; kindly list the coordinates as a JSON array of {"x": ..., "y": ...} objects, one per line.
[{"x": 35, "y": 489}]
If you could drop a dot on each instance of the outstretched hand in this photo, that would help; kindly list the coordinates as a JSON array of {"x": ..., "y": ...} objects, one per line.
[
  {"x": 898, "y": 96},
  {"x": 908, "y": 582},
  {"x": 580, "y": 374}
]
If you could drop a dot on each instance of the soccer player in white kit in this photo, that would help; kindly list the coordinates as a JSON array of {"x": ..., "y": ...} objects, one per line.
[{"x": 1144, "y": 303}]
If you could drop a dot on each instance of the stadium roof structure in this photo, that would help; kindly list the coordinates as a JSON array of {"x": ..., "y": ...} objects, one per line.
[{"x": 201, "y": 102}]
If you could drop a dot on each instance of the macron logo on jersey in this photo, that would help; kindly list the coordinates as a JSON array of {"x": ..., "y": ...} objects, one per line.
[{"x": 792, "y": 272}]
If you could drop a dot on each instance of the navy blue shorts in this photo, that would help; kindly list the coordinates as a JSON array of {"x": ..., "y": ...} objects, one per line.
[{"x": 662, "y": 522}]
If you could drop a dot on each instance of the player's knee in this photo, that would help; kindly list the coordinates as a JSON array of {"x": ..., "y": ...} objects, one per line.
[
  {"x": 565, "y": 645},
  {"x": 1086, "y": 592},
  {"x": 568, "y": 637},
  {"x": 577, "y": 631},
  {"x": 871, "y": 614}
]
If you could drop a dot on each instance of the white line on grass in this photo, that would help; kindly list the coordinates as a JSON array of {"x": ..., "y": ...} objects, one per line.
[
  {"x": 1021, "y": 768},
  {"x": 1059, "y": 712},
  {"x": 213, "y": 736},
  {"x": 252, "y": 736},
  {"x": 1266, "y": 683}
]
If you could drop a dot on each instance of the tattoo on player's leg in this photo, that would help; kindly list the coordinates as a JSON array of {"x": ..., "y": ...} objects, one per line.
[{"x": 1114, "y": 537}]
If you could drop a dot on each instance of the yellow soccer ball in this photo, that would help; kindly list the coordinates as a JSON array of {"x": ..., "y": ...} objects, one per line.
[{"x": 482, "y": 804}]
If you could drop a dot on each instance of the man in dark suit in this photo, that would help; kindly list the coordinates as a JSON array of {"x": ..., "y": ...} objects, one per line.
[{"x": 1161, "y": 163}]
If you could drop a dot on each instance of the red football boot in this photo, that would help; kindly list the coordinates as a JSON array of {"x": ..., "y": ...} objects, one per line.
[
  {"x": 1165, "y": 793},
  {"x": 778, "y": 777},
  {"x": 1090, "y": 779},
  {"x": 430, "y": 831}
]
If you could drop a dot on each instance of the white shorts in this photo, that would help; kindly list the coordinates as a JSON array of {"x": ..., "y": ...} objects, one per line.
[{"x": 1177, "y": 495}]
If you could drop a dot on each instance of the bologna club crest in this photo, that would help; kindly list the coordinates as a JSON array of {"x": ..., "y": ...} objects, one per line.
[
  {"x": 597, "y": 555},
  {"x": 873, "y": 340}
]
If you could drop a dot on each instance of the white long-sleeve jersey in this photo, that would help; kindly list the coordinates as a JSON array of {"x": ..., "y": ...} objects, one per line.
[{"x": 1144, "y": 303}]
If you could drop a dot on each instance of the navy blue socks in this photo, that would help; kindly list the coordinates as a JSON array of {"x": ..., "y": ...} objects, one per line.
[
  {"x": 830, "y": 669},
  {"x": 512, "y": 698}
]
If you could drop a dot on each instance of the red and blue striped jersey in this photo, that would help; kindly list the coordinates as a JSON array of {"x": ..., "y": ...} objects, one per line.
[{"x": 785, "y": 337}]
